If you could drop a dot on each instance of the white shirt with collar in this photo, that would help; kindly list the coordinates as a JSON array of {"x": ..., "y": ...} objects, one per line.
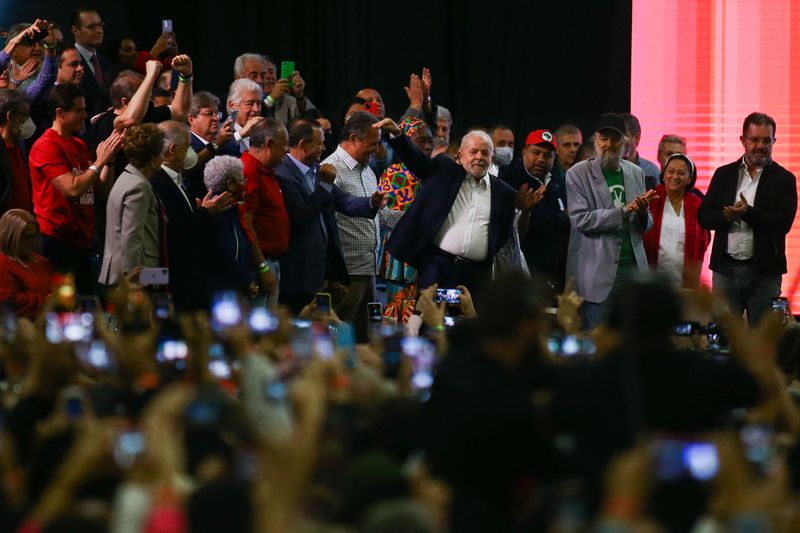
[
  {"x": 740, "y": 234},
  {"x": 465, "y": 232},
  {"x": 672, "y": 244},
  {"x": 177, "y": 179},
  {"x": 243, "y": 142},
  {"x": 86, "y": 54}
]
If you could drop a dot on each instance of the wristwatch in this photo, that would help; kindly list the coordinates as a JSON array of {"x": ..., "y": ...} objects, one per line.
[{"x": 213, "y": 147}]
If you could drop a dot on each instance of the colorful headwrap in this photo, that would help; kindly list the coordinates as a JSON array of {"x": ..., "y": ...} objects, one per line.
[{"x": 410, "y": 126}]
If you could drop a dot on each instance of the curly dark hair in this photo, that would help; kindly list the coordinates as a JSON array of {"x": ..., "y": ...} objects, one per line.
[{"x": 142, "y": 143}]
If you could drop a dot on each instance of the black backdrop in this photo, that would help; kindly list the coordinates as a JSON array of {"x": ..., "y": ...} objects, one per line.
[{"x": 528, "y": 64}]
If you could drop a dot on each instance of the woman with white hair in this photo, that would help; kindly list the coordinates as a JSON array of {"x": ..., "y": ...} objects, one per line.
[{"x": 229, "y": 253}]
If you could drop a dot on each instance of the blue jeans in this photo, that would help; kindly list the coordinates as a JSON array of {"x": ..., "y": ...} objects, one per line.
[
  {"x": 270, "y": 301},
  {"x": 745, "y": 290}
]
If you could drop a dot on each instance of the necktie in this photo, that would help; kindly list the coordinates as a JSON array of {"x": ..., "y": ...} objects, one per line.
[{"x": 98, "y": 72}]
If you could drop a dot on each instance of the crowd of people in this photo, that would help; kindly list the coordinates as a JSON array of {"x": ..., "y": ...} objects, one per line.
[{"x": 244, "y": 313}]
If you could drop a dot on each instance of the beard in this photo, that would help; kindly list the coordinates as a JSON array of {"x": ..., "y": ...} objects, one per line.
[{"x": 609, "y": 159}]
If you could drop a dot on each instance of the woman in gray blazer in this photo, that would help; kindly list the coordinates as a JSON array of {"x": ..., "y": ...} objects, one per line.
[{"x": 132, "y": 213}]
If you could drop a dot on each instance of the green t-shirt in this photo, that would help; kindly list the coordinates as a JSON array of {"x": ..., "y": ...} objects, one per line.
[{"x": 616, "y": 186}]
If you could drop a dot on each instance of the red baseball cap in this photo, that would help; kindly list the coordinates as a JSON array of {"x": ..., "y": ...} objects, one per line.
[{"x": 541, "y": 137}]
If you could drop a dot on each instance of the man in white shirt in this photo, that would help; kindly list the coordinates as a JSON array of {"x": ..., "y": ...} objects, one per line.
[
  {"x": 750, "y": 205},
  {"x": 244, "y": 99},
  {"x": 461, "y": 217}
]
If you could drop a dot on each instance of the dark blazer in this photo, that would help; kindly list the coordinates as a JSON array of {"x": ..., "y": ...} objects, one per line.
[
  {"x": 771, "y": 215},
  {"x": 228, "y": 254},
  {"x": 545, "y": 245},
  {"x": 310, "y": 260},
  {"x": 187, "y": 228},
  {"x": 195, "y": 187},
  {"x": 441, "y": 179},
  {"x": 97, "y": 97}
]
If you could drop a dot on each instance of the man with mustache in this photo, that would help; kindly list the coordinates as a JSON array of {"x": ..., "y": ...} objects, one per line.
[
  {"x": 544, "y": 244},
  {"x": 608, "y": 209},
  {"x": 750, "y": 205}
]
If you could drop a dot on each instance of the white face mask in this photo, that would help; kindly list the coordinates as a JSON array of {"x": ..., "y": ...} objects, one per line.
[
  {"x": 503, "y": 155},
  {"x": 191, "y": 158},
  {"x": 27, "y": 129}
]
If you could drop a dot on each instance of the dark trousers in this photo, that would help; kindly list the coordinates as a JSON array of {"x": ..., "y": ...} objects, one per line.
[
  {"x": 68, "y": 259},
  {"x": 745, "y": 290},
  {"x": 295, "y": 301},
  {"x": 449, "y": 272}
]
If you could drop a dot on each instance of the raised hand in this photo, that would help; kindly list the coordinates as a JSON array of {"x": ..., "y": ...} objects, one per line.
[
  {"x": 389, "y": 125},
  {"x": 414, "y": 92},
  {"x": 298, "y": 85},
  {"x": 183, "y": 64},
  {"x": 107, "y": 149},
  {"x": 426, "y": 85},
  {"x": 527, "y": 198}
]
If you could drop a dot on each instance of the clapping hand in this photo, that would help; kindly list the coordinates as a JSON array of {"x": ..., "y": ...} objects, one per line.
[
  {"x": 641, "y": 202},
  {"x": 736, "y": 211}
]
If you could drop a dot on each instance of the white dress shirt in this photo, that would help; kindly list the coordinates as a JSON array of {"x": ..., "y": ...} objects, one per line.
[
  {"x": 465, "y": 232},
  {"x": 672, "y": 244},
  {"x": 177, "y": 179},
  {"x": 243, "y": 142},
  {"x": 740, "y": 234}
]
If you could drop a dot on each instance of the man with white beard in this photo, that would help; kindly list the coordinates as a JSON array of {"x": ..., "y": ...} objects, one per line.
[{"x": 608, "y": 211}]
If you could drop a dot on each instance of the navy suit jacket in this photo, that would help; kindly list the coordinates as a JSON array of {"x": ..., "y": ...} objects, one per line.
[
  {"x": 311, "y": 258},
  {"x": 441, "y": 177},
  {"x": 545, "y": 245},
  {"x": 187, "y": 228},
  {"x": 97, "y": 97},
  {"x": 194, "y": 181}
]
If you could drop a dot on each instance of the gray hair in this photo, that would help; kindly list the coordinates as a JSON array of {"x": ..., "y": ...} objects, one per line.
[
  {"x": 220, "y": 169},
  {"x": 672, "y": 138},
  {"x": 443, "y": 113},
  {"x": 478, "y": 133},
  {"x": 267, "y": 129},
  {"x": 203, "y": 99},
  {"x": 16, "y": 29},
  {"x": 241, "y": 86},
  {"x": 238, "y": 64},
  {"x": 175, "y": 132}
]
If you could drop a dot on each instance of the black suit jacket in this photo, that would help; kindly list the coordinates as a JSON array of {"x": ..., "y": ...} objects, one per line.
[
  {"x": 441, "y": 178},
  {"x": 96, "y": 94},
  {"x": 771, "y": 215},
  {"x": 311, "y": 258},
  {"x": 187, "y": 227},
  {"x": 545, "y": 244}
]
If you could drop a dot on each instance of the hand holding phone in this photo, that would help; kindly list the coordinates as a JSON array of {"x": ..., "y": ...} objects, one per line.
[
  {"x": 166, "y": 26},
  {"x": 323, "y": 300},
  {"x": 451, "y": 296},
  {"x": 287, "y": 72}
]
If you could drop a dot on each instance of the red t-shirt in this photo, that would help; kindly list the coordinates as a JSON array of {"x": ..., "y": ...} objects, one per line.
[
  {"x": 264, "y": 200},
  {"x": 20, "y": 195},
  {"x": 68, "y": 220}
]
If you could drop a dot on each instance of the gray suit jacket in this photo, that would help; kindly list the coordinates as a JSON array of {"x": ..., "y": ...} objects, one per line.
[
  {"x": 132, "y": 232},
  {"x": 594, "y": 241},
  {"x": 285, "y": 108}
]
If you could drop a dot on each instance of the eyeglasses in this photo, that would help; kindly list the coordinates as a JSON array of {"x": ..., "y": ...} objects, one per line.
[
  {"x": 766, "y": 141},
  {"x": 96, "y": 25},
  {"x": 211, "y": 114}
]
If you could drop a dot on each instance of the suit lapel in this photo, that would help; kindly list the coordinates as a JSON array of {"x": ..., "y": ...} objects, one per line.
[
  {"x": 600, "y": 185},
  {"x": 298, "y": 176}
]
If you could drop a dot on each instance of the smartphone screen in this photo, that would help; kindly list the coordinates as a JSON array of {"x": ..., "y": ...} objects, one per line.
[
  {"x": 451, "y": 296},
  {"x": 262, "y": 321},
  {"x": 226, "y": 311},
  {"x": 287, "y": 72},
  {"x": 166, "y": 26},
  {"x": 162, "y": 305},
  {"x": 323, "y": 300},
  {"x": 374, "y": 312},
  {"x": 780, "y": 305}
]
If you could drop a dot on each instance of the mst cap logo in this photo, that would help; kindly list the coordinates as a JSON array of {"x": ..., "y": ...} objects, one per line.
[
  {"x": 547, "y": 136},
  {"x": 541, "y": 137}
]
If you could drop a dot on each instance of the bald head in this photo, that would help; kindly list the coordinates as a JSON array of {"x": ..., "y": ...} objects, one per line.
[{"x": 176, "y": 137}]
